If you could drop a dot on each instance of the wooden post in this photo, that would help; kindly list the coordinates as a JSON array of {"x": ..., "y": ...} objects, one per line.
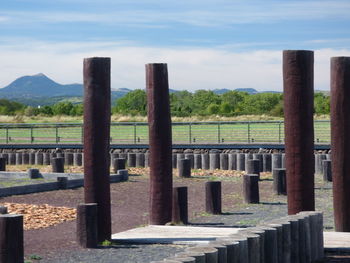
[
  {"x": 213, "y": 197},
  {"x": 340, "y": 141},
  {"x": 279, "y": 181},
  {"x": 97, "y": 114},
  {"x": 11, "y": 238},
  {"x": 118, "y": 164},
  {"x": 160, "y": 143},
  {"x": 251, "y": 188},
  {"x": 180, "y": 207},
  {"x": 87, "y": 225},
  {"x": 2, "y": 164},
  {"x": 184, "y": 168},
  {"x": 57, "y": 164},
  {"x": 298, "y": 93}
]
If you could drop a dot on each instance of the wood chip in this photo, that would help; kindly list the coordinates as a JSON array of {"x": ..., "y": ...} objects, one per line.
[{"x": 41, "y": 216}]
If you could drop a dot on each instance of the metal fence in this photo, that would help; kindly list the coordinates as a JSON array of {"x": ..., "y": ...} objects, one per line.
[{"x": 182, "y": 133}]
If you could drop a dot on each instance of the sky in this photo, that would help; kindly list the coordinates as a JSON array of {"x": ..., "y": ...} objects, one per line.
[{"x": 206, "y": 44}]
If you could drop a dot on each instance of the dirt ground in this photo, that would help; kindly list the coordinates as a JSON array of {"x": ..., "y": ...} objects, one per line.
[{"x": 129, "y": 203}]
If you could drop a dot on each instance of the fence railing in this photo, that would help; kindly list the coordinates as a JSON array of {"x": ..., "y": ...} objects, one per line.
[{"x": 182, "y": 133}]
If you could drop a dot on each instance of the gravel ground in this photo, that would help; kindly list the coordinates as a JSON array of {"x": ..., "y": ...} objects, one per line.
[
  {"x": 130, "y": 209},
  {"x": 119, "y": 253}
]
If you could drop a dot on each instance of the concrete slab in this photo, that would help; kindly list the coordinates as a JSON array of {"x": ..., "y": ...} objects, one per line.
[
  {"x": 336, "y": 241},
  {"x": 153, "y": 234}
]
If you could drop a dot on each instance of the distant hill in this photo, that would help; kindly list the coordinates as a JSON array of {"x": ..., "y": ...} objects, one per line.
[
  {"x": 270, "y": 91},
  {"x": 40, "y": 90},
  {"x": 39, "y": 85},
  {"x": 221, "y": 91},
  {"x": 248, "y": 90}
]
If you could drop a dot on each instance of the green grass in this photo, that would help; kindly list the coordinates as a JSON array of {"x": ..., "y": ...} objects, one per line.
[{"x": 202, "y": 133}]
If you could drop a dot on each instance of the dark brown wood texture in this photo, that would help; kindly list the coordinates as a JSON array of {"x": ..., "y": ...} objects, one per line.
[
  {"x": 160, "y": 142},
  {"x": 340, "y": 141},
  {"x": 298, "y": 90},
  {"x": 97, "y": 114}
]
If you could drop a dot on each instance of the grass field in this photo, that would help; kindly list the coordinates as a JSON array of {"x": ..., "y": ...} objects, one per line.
[{"x": 182, "y": 133}]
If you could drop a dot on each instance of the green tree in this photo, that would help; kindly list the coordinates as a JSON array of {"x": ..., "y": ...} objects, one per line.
[
  {"x": 260, "y": 103},
  {"x": 133, "y": 103},
  {"x": 213, "y": 109},
  {"x": 232, "y": 98},
  {"x": 181, "y": 103},
  {"x": 62, "y": 108},
  {"x": 8, "y": 107},
  {"x": 31, "y": 111},
  {"x": 321, "y": 103},
  {"x": 278, "y": 111},
  {"x": 203, "y": 98},
  {"x": 77, "y": 110},
  {"x": 226, "y": 109},
  {"x": 46, "y": 110}
]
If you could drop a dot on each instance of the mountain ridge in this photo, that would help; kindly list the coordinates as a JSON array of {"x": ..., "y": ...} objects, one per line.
[{"x": 39, "y": 89}]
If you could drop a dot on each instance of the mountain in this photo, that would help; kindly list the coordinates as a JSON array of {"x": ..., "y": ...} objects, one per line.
[
  {"x": 39, "y": 85},
  {"x": 221, "y": 91},
  {"x": 248, "y": 90},
  {"x": 40, "y": 90}
]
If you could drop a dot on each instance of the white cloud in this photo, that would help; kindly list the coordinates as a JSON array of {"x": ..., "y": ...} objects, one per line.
[
  {"x": 322, "y": 66},
  {"x": 189, "y": 68},
  {"x": 3, "y": 18},
  {"x": 207, "y": 14}
]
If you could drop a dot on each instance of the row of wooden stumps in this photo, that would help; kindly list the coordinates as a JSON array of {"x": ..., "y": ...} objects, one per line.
[{"x": 292, "y": 239}]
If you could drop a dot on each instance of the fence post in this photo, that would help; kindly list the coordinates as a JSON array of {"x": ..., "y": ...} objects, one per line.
[
  {"x": 134, "y": 133},
  {"x": 190, "y": 132},
  {"x": 7, "y": 135},
  {"x": 31, "y": 134},
  {"x": 279, "y": 132},
  {"x": 248, "y": 132},
  {"x": 57, "y": 140},
  {"x": 219, "y": 133}
]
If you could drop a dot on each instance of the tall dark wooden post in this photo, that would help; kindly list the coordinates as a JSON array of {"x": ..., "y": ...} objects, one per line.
[
  {"x": 11, "y": 238},
  {"x": 340, "y": 141},
  {"x": 159, "y": 121},
  {"x": 97, "y": 111},
  {"x": 298, "y": 87}
]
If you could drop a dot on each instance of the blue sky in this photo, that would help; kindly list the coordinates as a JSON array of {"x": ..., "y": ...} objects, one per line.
[{"x": 207, "y": 44}]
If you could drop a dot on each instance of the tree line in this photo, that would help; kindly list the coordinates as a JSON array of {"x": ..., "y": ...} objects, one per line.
[
  {"x": 206, "y": 102},
  {"x": 8, "y": 107},
  {"x": 182, "y": 103}
]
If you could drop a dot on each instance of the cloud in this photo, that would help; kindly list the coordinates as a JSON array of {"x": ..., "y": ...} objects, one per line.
[
  {"x": 3, "y": 18},
  {"x": 322, "y": 66},
  {"x": 189, "y": 68},
  {"x": 194, "y": 13}
]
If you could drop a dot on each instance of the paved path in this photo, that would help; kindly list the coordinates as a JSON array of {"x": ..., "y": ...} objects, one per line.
[
  {"x": 337, "y": 241},
  {"x": 173, "y": 234},
  {"x": 333, "y": 241}
]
